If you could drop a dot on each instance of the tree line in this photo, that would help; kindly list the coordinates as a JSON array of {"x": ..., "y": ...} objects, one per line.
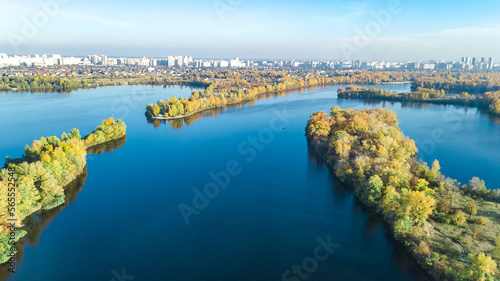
[
  {"x": 476, "y": 83},
  {"x": 489, "y": 101}
]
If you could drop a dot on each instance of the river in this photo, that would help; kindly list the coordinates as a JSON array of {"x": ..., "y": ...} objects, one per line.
[{"x": 271, "y": 205}]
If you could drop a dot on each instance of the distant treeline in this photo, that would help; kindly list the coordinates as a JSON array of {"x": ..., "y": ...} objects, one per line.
[
  {"x": 489, "y": 101},
  {"x": 64, "y": 84},
  {"x": 473, "y": 83}
]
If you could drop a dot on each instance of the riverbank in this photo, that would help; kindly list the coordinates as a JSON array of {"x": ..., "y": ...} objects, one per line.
[
  {"x": 41, "y": 84},
  {"x": 410, "y": 196}
]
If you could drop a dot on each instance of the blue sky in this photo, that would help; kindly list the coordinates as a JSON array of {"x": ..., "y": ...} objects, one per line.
[{"x": 414, "y": 30}]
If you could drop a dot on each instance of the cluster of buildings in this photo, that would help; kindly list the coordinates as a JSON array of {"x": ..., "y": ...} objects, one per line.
[
  {"x": 50, "y": 60},
  {"x": 37, "y": 60},
  {"x": 466, "y": 63},
  {"x": 473, "y": 63}
]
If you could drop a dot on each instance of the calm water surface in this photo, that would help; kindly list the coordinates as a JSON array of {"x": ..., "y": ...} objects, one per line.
[{"x": 125, "y": 213}]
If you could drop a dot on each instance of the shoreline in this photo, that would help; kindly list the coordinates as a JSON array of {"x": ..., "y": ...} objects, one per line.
[
  {"x": 49, "y": 206},
  {"x": 379, "y": 214}
]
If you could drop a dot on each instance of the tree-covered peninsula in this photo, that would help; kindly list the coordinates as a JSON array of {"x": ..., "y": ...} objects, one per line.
[
  {"x": 450, "y": 229},
  {"x": 38, "y": 180},
  {"x": 220, "y": 95},
  {"x": 108, "y": 131}
]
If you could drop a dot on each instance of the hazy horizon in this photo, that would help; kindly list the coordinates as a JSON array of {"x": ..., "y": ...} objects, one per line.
[{"x": 365, "y": 30}]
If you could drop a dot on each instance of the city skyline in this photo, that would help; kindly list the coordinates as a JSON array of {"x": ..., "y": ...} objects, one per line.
[
  {"x": 366, "y": 30},
  {"x": 465, "y": 63}
]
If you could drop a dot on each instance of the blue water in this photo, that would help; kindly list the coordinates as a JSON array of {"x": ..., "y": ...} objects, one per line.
[{"x": 269, "y": 217}]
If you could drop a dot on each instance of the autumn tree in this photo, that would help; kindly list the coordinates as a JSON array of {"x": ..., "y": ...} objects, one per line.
[
  {"x": 422, "y": 249},
  {"x": 458, "y": 218},
  {"x": 471, "y": 208},
  {"x": 481, "y": 266},
  {"x": 418, "y": 206}
]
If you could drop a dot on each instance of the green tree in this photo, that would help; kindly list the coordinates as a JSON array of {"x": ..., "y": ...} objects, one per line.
[{"x": 375, "y": 186}]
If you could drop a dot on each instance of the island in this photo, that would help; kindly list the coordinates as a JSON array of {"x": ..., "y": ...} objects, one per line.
[
  {"x": 38, "y": 180},
  {"x": 450, "y": 229},
  {"x": 230, "y": 91},
  {"x": 473, "y": 90}
]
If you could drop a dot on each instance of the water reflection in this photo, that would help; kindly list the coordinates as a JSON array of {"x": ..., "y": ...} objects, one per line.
[
  {"x": 37, "y": 222},
  {"x": 108, "y": 146},
  {"x": 188, "y": 85},
  {"x": 373, "y": 222},
  {"x": 422, "y": 105}
]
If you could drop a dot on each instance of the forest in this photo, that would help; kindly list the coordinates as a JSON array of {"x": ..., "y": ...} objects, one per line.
[
  {"x": 39, "y": 178},
  {"x": 450, "y": 229}
]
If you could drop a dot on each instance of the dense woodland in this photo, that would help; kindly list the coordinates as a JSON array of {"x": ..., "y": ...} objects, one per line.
[
  {"x": 47, "y": 166},
  {"x": 433, "y": 216}
]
